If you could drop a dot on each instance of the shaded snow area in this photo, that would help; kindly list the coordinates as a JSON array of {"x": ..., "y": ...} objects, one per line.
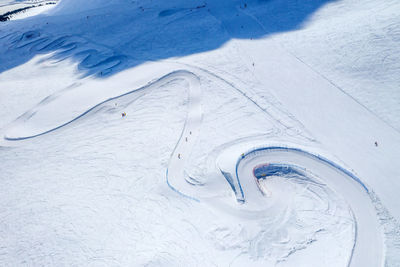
[{"x": 192, "y": 133}]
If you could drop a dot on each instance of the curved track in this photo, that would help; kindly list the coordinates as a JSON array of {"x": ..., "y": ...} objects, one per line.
[
  {"x": 369, "y": 245},
  {"x": 175, "y": 173},
  {"x": 29, "y": 125},
  {"x": 26, "y": 126}
]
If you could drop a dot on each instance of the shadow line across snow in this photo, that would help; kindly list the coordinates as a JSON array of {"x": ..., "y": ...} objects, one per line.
[{"x": 105, "y": 38}]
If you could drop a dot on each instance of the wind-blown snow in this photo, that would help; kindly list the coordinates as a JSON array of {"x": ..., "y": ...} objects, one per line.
[{"x": 209, "y": 91}]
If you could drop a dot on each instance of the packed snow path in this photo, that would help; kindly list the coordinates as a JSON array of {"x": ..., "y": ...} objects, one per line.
[
  {"x": 49, "y": 115},
  {"x": 94, "y": 186},
  {"x": 369, "y": 245},
  {"x": 175, "y": 173},
  {"x": 30, "y": 124}
]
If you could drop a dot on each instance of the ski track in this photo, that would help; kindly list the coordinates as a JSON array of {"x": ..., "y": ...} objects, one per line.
[
  {"x": 175, "y": 176},
  {"x": 102, "y": 60},
  {"x": 365, "y": 249},
  {"x": 367, "y": 242},
  {"x": 177, "y": 180},
  {"x": 165, "y": 79}
]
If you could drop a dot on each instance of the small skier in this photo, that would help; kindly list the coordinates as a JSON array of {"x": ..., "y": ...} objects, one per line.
[
  {"x": 179, "y": 156},
  {"x": 186, "y": 139},
  {"x": 123, "y": 114},
  {"x": 190, "y": 133},
  {"x": 376, "y": 143}
]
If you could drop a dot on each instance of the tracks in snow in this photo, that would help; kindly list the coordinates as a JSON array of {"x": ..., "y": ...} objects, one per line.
[
  {"x": 368, "y": 242},
  {"x": 369, "y": 245},
  {"x": 31, "y": 124},
  {"x": 175, "y": 173}
]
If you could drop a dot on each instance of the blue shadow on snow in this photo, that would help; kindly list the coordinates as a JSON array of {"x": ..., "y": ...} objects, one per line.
[{"x": 114, "y": 37}]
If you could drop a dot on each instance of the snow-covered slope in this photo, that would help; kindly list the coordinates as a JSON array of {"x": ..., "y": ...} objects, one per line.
[
  {"x": 12, "y": 10},
  {"x": 365, "y": 66},
  {"x": 188, "y": 133}
]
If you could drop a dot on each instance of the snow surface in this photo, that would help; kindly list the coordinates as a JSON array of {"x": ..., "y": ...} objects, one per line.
[
  {"x": 35, "y": 7},
  {"x": 210, "y": 90}
]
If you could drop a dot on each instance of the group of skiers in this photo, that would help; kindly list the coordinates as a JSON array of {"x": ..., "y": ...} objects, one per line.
[{"x": 186, "y": 139}]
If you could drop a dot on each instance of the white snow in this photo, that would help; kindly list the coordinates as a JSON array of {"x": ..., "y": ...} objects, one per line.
[
  {"x": 34, "y": 7},
  {"x": 203, "y": 86}
]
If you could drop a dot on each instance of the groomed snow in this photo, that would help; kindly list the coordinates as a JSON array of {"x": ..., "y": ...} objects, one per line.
[{"x": 130, "y": 132}]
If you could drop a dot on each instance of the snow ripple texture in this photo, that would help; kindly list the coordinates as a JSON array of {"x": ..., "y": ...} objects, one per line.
[{"x": 284, "y": 220}]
